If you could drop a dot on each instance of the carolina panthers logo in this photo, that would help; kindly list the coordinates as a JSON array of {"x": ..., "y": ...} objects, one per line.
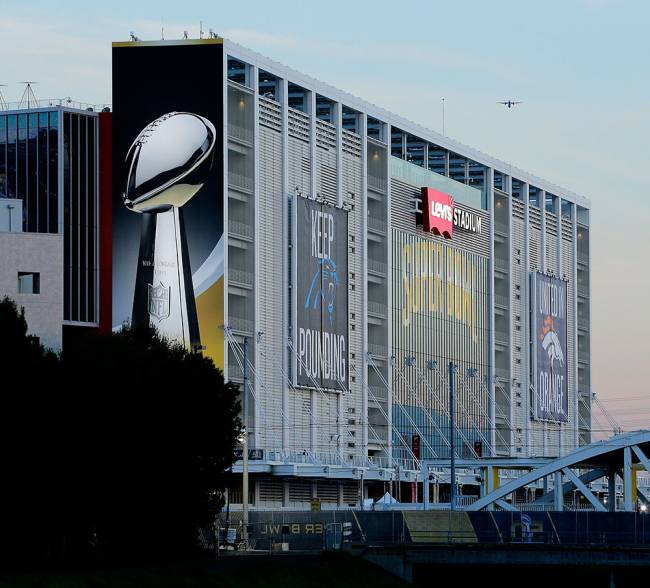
[
  {"x": 551, "y": 343},
  {"x": 323, "y": 286}
]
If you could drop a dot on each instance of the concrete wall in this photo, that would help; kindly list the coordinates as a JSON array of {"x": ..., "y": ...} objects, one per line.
[{"x": 43, "y": 253}]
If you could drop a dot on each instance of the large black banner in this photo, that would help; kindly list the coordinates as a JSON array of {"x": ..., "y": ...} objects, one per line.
[
  {"x": 322, "y": 295},
  {"x": 549, "y": 320},
  {"x": 168, "y": 245}
]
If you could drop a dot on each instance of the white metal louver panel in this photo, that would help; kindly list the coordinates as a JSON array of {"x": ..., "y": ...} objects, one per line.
[
  {"x": 567, "y": 269},
  {"x": 299, "y": 167},
  {"x": 353, "y": 403},
  {"x": 300, "y": 493},
  {"x": 326, "y": 176},
  {"x": 328, "y": 492},
  {"x": 271, "y": 492},
  {"x": 325, "y": 135},
  {"x": 518, "y": 289},
  {"x": 270, "y": 288}
]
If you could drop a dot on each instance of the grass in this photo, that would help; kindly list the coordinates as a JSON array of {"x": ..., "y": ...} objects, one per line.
[{"x": 235, "y": 571}]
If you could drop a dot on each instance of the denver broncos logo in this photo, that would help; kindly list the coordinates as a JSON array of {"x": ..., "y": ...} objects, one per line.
[{"x": 551, "y": 342}]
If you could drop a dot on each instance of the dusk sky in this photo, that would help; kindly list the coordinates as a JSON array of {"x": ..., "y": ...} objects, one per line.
[{"x": 579, "y": 66}]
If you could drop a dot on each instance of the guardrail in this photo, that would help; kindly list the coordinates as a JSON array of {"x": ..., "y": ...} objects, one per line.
[
  {"x": 240, "y": 229},
  {"x": 377, "y": 267},
  {"x": 501, "y": 300},
  {"x": 378, "y": 350},
  {"x": 501, "y": 263},
  {"x": 377, "y": 308},
  {"x": 240, "y": 181},
  {"x": 54, "y": 102},
  {"x": 241, "y": 324},
  {"x": 240, "y": 277},
  {"x": 377, "y": 184},
  {"x": 240, "y": 133},
  {"x": 377, "y": 225}
]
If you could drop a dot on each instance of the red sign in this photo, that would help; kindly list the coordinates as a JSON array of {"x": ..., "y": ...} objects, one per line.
[
  {"x": 478, "y": 448},
  {"x": 415, "y": 445},
  {"x": 437, "y": 212}
]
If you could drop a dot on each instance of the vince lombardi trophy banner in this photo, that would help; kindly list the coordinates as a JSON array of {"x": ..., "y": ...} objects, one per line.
[
  {"x": 549, "y": 341},
  {"x": 321, "y": 295}
]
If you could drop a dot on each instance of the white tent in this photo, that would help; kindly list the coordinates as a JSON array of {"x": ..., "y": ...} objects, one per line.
[{"x": 387, "y": 499}]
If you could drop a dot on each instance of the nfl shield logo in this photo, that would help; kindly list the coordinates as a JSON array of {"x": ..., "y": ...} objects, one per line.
[{"x": 159, "y": 301}]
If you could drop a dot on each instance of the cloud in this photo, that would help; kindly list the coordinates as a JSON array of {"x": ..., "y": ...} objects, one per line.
[{"x": 62, "y": 60}]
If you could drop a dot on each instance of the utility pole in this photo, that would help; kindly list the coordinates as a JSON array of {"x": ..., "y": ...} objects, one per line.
[
  {"x": 245, "y": 447},
  {"x": 452, "y": 435},
  {"x": 443, "y": 116}
]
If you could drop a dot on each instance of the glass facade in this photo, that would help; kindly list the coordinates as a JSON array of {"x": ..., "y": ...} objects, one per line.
[
  {"x": 28, "y": 167},
  {"x": 30, "y": 164},
  {"x": 80, "y": 270}
]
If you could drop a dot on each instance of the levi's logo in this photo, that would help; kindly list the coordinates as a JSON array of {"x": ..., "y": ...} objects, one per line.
[{"x": 437, "y": 212}]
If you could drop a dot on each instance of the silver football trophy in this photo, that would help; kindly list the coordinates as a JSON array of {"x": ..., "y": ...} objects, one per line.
[{"x": 167, "y": 165}]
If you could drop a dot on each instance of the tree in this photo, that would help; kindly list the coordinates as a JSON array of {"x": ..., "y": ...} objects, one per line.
[
  {"x": 119, "y": 447},
  {"x": 160, "y": 426},
  {"x": 30, "y": 375}
]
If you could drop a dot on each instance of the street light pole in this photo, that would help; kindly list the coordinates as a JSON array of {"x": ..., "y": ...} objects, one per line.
[
  {"x": 245, "y": 447},
  {"x": 452, "y": 435}
]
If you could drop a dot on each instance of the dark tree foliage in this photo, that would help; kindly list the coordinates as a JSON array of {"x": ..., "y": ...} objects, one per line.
[{"x": 124, "y": 451}]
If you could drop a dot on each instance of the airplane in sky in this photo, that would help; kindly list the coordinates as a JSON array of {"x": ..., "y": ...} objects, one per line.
[{"x": 510, "y": 103}]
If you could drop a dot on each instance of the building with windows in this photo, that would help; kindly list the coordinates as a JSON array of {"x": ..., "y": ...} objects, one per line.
[
  {"x": 346, "y": 264},
  {"x": 49, "y": 215}
]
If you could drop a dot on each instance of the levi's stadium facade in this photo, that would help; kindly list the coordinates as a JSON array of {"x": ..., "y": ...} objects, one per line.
[{"x": 341, "y": 258}]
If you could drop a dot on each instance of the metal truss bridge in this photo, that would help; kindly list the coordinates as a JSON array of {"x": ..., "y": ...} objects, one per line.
[{"x": 622, "y": 455}]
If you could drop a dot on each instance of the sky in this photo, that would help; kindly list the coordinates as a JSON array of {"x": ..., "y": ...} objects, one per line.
[{"x": 579, "y": 66}]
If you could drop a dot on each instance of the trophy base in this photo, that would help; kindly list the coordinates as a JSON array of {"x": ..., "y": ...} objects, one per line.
[{"x": 164, "y": 295}]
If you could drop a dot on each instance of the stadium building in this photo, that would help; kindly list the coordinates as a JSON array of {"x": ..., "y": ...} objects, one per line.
[{"x": 338, "y": 258}]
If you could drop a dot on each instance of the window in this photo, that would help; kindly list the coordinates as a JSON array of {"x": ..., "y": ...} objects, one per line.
[
  {"x": 237, "y": 71},
  {"x": 415, "y": 150},
  {"x": 457, "y": 168},
  {"x": 498, "y": 180},
  {"x": 437, "y": 159},
  {"x": 297, "y": 98},
  {"x": 549, "y": 202},
  {"x": 397, "y": 143},
  {"x": 268, "y": 85},
  {"x": 533, "y": 196},
  {"x": 350, "y": 119},
  {"x": 29, "y": 283},
  {"x": 324, "y": 108},
  {"x": 375, "y": 129}
]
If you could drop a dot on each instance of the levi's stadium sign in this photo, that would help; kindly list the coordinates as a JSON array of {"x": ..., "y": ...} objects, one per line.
[
  {"x": 440, "y": 215},
  {"x": 437, "y": 212}
]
